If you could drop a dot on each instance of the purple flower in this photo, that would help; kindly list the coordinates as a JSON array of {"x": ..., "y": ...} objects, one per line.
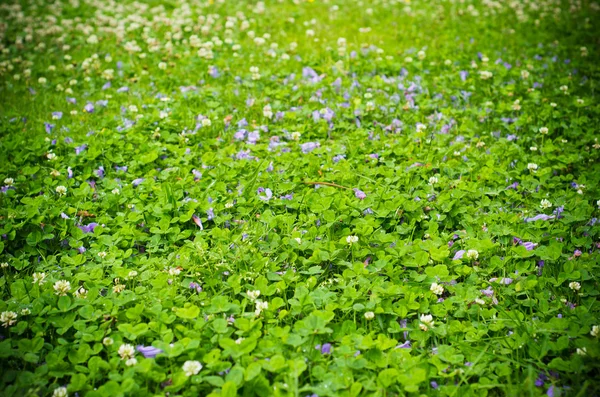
[
  {"x": 48, "y": 127},
  {"x": 434, "y": 384},
  {"x": 123, "y": 168},
  {"x": 148, "y": 351},
  {"x": 359, "y": 194},
  {"x": 513, "y": 186},
  {"x": 106, "y": 85},
  {"x": 558, "y": 211},
  {"x": 459, "y": 255},
  {"x": 325, "y": 349},
  {"x": 89, "y": 107},
  {"x": 288, "y": 197},
  {"x": 210, "y": 214},
  {"x": 240, "y": 135},
  {"x": 196, "y": 286},
  {"x": 57, "y": 115},
  {"x": 88, "y": 228},
  {"x": 489, "y": 292},
  {"x": 309, "y": 146},
  {"x": 64, "y": 216},
  {"x": 197, "y": 174},
  {"x": 123, "y": 89},
  {"x": 79, "y": 149},
  {"x": 368, "y": 211},
  {"x": 405, "y": 345},
  {"x": 99, "y": 172},
  {"x": 71, "y": 100},
  {"x": 81, "y": 249},
  {"x": 268, "y": 194},
  {"x": 551, "y": 391},
  {"x": 69, "y": 173},
  {"x": 137, "y": 181},
  {"x": 338, "y": 158},
  {"x": 542, "y": 217}
]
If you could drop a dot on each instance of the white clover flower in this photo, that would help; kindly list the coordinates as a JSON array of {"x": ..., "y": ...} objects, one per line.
[
  {"x": 228, "y": 205},
  {"x": 421, "y": 55},
  {"x": 60, "y": 392},
  {"x": 564, "y": 88},
  {"x": 595, "y": 331},
  {"x": 408, "y": 59},
  {"x": 61, "y": 190},
  {"x": 295, "y": 135},
  {"x": 552, "y": 104},
  {"x": 81, "y": 293},
  {"x": 132, "y": 108},
  {"x": 479, "y": 301},
  {"x": 174, "y": 271},
  {"x": 581, "y": 351},
  {"x": 132, "y": 274},
  {"x": 436, "y": 289},
  {"x": 9, "y": 181},
  {"x": 191, "y": 368},
  {"x": 131, "y": 362},
  {"x": 532, "y": 167},
  {"x": 352, "y": 239},
  {"x": 260, "y": 306},
  {"x": 206, "y": 122},
  {"x": 107, "y": 341},
  {"x": 8, "y": 318},
  {"x": 163, "y": 115},
  {"x": 162, "y": 65},
  {"x": 93, "y": 39},
  {"x": 267, "y": 112},
  {"x": 298, "y": 240},
  {"x": 472, "y": 254},
  {"x": 543, "y": 130},
  {"x": 574, "y": 285},
  {"x": 118, "y": 288},
  {"x": 4, "y": 265},
  {"x": 39, "y": 278},
  {"x": 253, "y": 295},
  {"x": 51, "y": 156},
  {"x": 102, "y": 254},
  {"x": 126, "y": 351},
  {"x": 426, "y": 322},
  {"x": 598, "y": 203},
  {"x": 485, "y": 75},
  {"x": 25, "y": 311},
  {"x": 115, "y": 191},
  {"x": 525, "y": 74},
  {"x": 239, "y": 341},
  {"x": 545, "y": 204},
  {"x": 62, "y": 287},
  {"x": 55, "y": 173},
  {"x": 369, "y": 315}
]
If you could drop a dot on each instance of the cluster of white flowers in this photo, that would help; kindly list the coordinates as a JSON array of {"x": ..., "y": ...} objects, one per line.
[
  {"x": 62, "y": 287},
  {"x": 8, "y": 318},
  {"x": 191, "y": 368},
  {"x": 472, "y": 254},
  {"x": 426, "y": 322},
  {"x": 436, "y": 289},
  {"x": 260, "y": 306},
  {"x": 253, "y": 295},
  {"x": 352, "y": 239}
]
